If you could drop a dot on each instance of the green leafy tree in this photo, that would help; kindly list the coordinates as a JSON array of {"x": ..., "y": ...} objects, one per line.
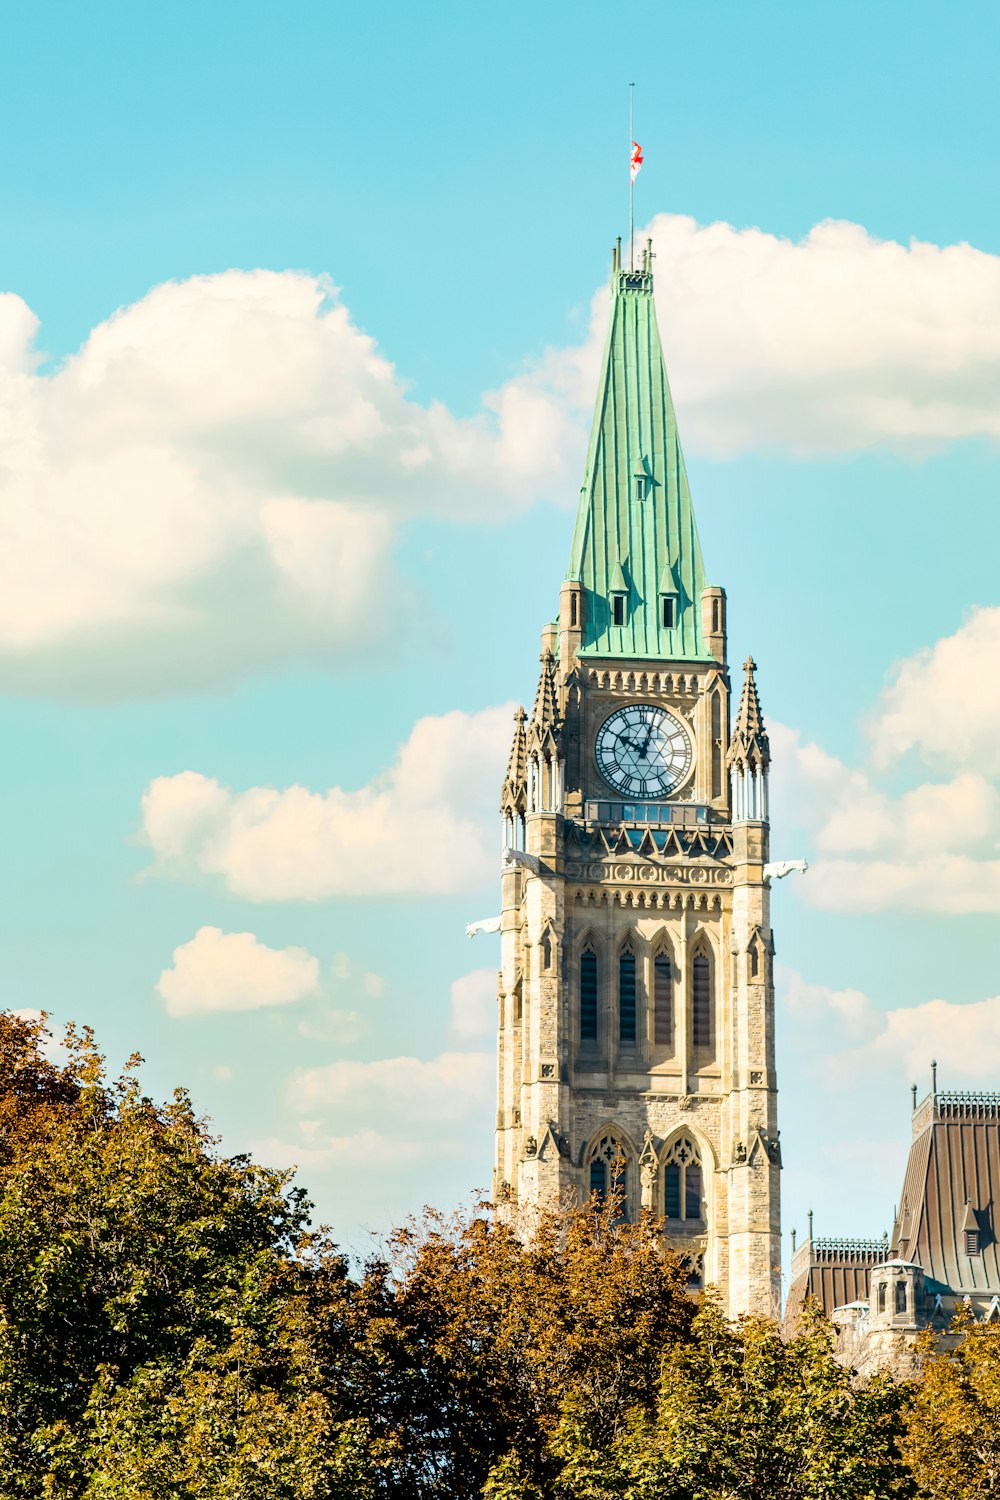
[
  {"x": 952, "y": 1440},
  {"x": 472, "y": 1338},
  {"x": 162, "y": 1309},
  {"x": 741, "y": 1412}
]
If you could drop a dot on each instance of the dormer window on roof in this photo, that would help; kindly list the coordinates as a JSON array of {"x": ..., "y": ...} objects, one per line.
[
  {"x": 618, "y": 593},
  {"x": 640, "y": 481},
  {"x": 970, "y": 1230},
  {"x": 669, "y": 597}
]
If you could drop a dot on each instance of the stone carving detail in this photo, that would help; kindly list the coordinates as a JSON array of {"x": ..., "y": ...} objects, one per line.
[
  {"x": 648, "y": 1171},
  {"x": 531, "y": 1146}
]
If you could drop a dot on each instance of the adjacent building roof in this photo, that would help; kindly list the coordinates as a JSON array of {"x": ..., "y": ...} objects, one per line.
[
  {"x": 951, "y": 1183},
  {"x": 635, "y": 524},
  {"x": 833, "y": 1273}
]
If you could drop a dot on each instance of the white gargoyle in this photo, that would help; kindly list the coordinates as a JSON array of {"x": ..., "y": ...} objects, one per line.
[
  {"x": 782, "y": 867},
  {"x": 485, "y": 924}
]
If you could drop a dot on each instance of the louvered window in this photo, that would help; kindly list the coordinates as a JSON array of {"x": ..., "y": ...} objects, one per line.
[
  {"x": 668, "y": 612},
  {"x": 663, "y": 1001},
  {"x": 618, "y": 609},
  {"x": 626, "y": 998},
  {"x": 972, "y": 1242},
  {"x": 588, "y": 996},
  {"x": 701, "y": 1002}
]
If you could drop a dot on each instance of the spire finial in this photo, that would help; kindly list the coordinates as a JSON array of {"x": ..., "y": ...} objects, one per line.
[
  {"x": 749, "y": 744},
  {"x": 810, "y": 1226},
  {"x": 934, "y": 1076}
]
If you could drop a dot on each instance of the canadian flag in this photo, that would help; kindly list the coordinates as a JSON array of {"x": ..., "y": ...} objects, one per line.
[{"x": 635, "y": 160}]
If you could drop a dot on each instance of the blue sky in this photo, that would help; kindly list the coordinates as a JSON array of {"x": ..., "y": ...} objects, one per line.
[{"x": 262, "y": 530}]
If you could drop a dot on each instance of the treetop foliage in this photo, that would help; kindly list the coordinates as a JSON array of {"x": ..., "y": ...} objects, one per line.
[{"x": 173, "y": 1328}]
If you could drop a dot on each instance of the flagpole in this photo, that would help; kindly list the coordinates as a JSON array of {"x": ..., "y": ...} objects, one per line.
[{"x": 631, "y": 230}]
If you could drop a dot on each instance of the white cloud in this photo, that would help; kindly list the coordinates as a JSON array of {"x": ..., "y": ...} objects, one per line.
[
  {"x": 474, "y": 1003},
  {"x": 868, "y": 1043},
  {"x": 447, "y": 1088},
  {"x": 232, "y": 971},
  {"x": 930, "y": 848},
  {"x": 833, "y": 343},
  {"x": 944, "y": 702},
  {"x": 331, "y": 1025},
  {"x": 213, "y": 483},
  {"x": 809, "y": 1001},
  {"x": 424, "y": 827},
  {"x": 373, "y": 986}
]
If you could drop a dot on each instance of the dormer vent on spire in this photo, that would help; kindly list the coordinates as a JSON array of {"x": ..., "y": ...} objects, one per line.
[{"x": 635, "y": 503}]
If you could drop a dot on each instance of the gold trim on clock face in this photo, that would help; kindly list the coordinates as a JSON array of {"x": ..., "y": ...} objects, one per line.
[{"x": 643, "y": 751}]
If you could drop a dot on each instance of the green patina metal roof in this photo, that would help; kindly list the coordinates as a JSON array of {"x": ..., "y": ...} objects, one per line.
[{"x": 635, "y": 526}]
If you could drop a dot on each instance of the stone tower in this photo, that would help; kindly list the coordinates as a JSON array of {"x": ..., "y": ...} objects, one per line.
[{"x": 636, "y": 1034}]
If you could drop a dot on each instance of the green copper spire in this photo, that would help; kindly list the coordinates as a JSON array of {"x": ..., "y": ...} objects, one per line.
[{"x": 635, "y": 528}]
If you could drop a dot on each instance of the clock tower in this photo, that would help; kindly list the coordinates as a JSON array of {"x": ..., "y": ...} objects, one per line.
[{"x": 636, "y": 1030}]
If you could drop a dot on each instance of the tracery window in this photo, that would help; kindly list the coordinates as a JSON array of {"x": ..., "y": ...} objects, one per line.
[
  {"x": 609, "y": 1173},
  {"x": 588, "y": 995},
  {"x": 626, "y": 998},
  {"x": 663, "y": 1001},
  {"x": 682, "y": 1181},
  {"x": 701, "y": 1001}
]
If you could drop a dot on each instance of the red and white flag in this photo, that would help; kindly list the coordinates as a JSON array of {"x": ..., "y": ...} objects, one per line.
[{"x": 635, "y": 160}]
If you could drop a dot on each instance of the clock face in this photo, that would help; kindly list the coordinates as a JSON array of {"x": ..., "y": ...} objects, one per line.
[{"x": 643, "y": 751}]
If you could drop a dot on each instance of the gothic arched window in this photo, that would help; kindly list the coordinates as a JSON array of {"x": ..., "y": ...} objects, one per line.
[
  {"x": 682, "y": 1181},
  {"x": 901, "y": 1296},
  {"x": 881, "y": 1296},
  {"x": 626, "y": 998},
  {"x": 716, "y": 733},
  {"x": 588, "y": 995},
  {"x": 663, "y": 1001},
  {"x": 608, "y": 1173},
  {"x": 701, "y": 1001}
]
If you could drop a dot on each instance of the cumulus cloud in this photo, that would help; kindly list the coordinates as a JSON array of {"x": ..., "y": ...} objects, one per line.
[
  {"x": 868, "y": 1042},
  {"x": 944, "y": 702},
  {"x": 233, "y": 971},
  {"x": 426, "y": 826},
  {"x": 447, "y": 1088},
  {"x": 929, "y": 848},
  {"x": 213, "y": 483},
  {"x": 474, "y": 1003},
  {"x": 837, "y": 342}
]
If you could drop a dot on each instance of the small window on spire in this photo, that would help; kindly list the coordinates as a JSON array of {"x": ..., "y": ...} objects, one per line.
[
  {"x": 972, "y": 1242},
  {"x": 640, "y": 487},
  {"x": 618, "y": 609},
  {"x": 572, "y": 611},
  {"x": 667, "y": 606}
]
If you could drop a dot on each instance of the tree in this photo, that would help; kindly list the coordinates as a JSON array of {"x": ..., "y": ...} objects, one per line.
[
  {"x": 473, "y": 1337},
  {"x": 160, "y": 1306},
  {"x": 952, "y": 1441},
  {"x": 743, "y": 1413}
]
